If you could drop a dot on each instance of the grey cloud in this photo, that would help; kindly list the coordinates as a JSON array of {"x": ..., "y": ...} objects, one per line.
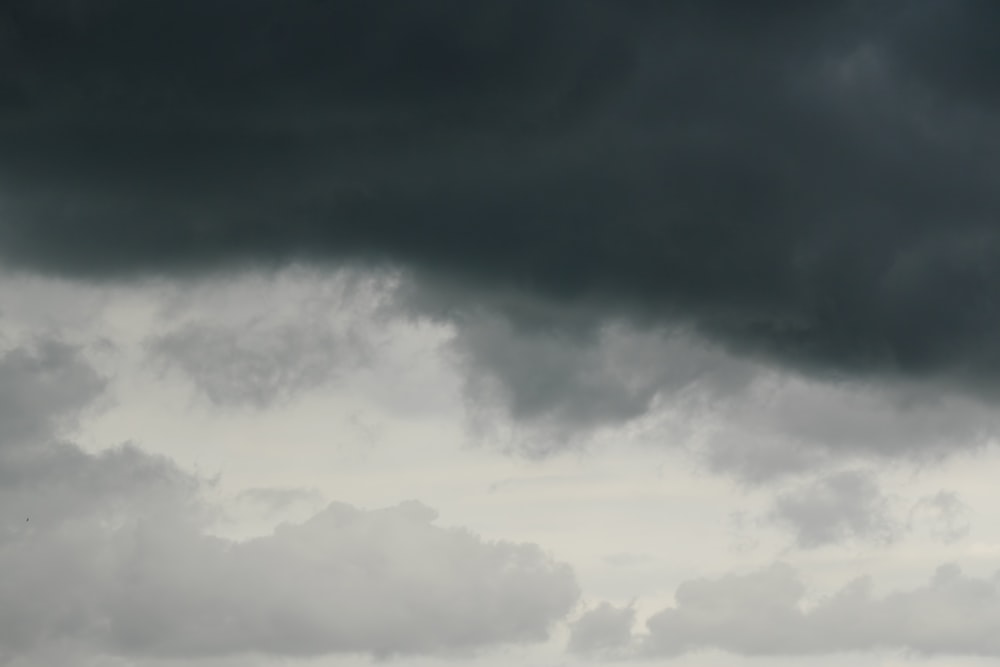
[
  {"x": 787, "y": 425},
  {"x": 58, "y": 485},
  {"x": 740, "y": 416},
  {"x": 603, "y": 631},
  {"x": 64, "y": 509},
  {"x": 564, "y": 384},
  {"x": 763, "y": 614},
  {"x": 834, "y": 508},
  {"x": 812, "y": 185},
  {"x": 559, "y": 376},
  {"x": 268, "y": 338},
  {"x": 382, "y": 582},
  {"x": 944, "y": 515},
  {"x": 116, "y": 557},
  {"x": 254, "y": 367},
  {"x": 44, "y": 385}
]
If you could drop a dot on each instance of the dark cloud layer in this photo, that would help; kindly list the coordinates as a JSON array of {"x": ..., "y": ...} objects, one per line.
[{"x": 809, "y": 181}]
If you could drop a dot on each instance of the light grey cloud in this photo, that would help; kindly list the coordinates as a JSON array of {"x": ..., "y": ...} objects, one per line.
[
  {"x": 268, "y": 338},
  {"x": 43, "y": 386},
  {"x": 381, "y": 582},
  {"x": 789, "y": 425},
  {"x": 603, "y": 631},
  {"x": 67, "y": 516},
  {"x": 112, "y": 551},
  {"x": 254, "y": 366},
  {"x": 837, "y": 507},
  {"x": 763, "y": 613},
  {"x": 944, "y": 515}
]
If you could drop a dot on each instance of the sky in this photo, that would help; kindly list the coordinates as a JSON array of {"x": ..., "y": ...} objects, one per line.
[{"x": 510, "y": 332}]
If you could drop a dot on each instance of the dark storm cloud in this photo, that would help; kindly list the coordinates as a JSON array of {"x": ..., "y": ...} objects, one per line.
[{"x": 809, "y": 181}]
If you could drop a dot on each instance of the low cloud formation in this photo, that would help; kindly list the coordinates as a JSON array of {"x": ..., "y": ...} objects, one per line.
[
  {"x": 603, "y": 631},
  {"x": 44, "y": 385},
  {"x": 847, "y": 505},
  {"x": 763, "y": 614},
  {"x": 808, "y": 185},
  {"x": 787, "y": 425},
  {"x": 112, "y": 553},
  {"x": 267, "y": 338},
  {"x": 560, "y": 385},
  {"x": 256, "y": 366},
  {"x": 944, "y": 516}
]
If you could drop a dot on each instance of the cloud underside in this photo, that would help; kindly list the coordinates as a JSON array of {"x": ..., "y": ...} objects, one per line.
[
  {"x": 113, "y": 553},
  {"x": 812, "y": 184},
  {"x": 764, "y": 614},
  {"x": 264, "y": 339}
]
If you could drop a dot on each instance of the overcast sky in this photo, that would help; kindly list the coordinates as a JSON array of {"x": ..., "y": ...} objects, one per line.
[{"x": 499, "y": 332}]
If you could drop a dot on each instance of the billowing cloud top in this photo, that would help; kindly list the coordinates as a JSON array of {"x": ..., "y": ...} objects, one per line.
[{"x": 808, "y": 181}]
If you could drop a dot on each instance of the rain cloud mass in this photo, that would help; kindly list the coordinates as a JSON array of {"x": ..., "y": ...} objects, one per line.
[
  {"x": 264, "y": 263},
  {"x": 811, "y": 183}
]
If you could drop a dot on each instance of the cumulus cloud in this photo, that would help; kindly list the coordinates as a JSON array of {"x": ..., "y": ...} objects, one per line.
[
  {"x": 603, "y": 630},
  {"x": 115, "y": 554},
  {"x": 112, "y": 553},
  {"x": 763, "y": 613},
  {"x": 837, "y": 507}
]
